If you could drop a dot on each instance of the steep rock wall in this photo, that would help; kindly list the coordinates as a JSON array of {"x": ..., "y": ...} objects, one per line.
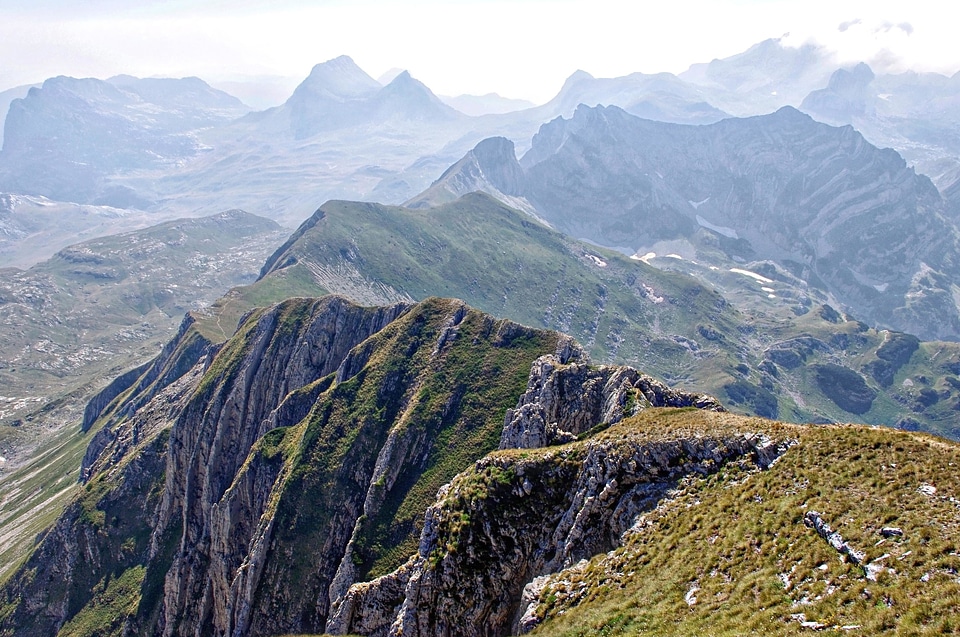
[{"x": 516, "y": 516}]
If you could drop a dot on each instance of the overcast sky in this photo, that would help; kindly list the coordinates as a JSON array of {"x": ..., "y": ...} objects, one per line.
[{"x": 522, "y": 48}]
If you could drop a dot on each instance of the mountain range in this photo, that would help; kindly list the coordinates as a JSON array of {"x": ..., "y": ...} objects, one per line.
[
  {"x": 63, "y": 139},
  {"x": 820, "y": 202},
  {"x": 339, "y": 446},
  {"x": 344, "y": 135}
]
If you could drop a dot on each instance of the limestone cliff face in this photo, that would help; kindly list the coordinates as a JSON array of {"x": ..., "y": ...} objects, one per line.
[
  {"x": 280, "y": 351},
  {"x": 843, "y": 215},
  {"x": 250, "y": 492},
  {"x": 121, "y": 399},
  {"x": 518, "y": 516},
  {"x": 567, "y": 396}
]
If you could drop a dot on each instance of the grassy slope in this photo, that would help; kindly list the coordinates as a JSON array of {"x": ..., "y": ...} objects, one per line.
[
  {"x": 663, "y": 322},
  {"x": 68, "y": 328},
  {"x": 739, "y": 537},
  {"x": 32, "y": 496},
  {"x": 451, "y": 406},
  {"x": 504, "y": 263},
  {"x": 98, "y": 308}
]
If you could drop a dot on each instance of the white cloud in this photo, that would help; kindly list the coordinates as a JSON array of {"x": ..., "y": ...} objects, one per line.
[{"x": 518, "y": 49}]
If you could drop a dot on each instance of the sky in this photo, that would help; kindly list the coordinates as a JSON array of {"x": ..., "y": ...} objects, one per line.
[{"x": 520, "y": 49}]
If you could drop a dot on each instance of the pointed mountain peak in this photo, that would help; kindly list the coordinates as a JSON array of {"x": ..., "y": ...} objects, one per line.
[
  {"x": 405, "y": 84},
  {"x": 572, "y": 90},
  {"x": 575, "y": 78},
  {"x": 388, "y": 76},
  {"x": 341, "y": 63},
  {"x": 491, "y": 167},
  {"x": 339, "y": 77},
  {"x": 406, "y": 94},
  {"x": 494, "y": 150},
  {"x": 404, "y": 77}
]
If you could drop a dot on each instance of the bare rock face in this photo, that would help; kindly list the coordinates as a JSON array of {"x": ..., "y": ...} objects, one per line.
[
  {"x": 283, "y": 350},
  {"x": 514, "y": 518},
  {"x": 566, "y": 398}
]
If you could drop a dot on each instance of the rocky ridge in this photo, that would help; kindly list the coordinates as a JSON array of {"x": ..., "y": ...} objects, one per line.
[
  {"x": 300, "y": 436},
  {"x": 513, "y": 519}
]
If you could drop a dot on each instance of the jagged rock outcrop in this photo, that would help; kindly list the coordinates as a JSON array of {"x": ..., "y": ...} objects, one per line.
[
  {"x": 123, "y": 397},
  {"x": 566, "y": 397},
  {"x": 178, "y": 355},
  {"x": 105, "y": 396},
  {"x": 514, "y": 517},
  {"x": 491, "y": 167}
]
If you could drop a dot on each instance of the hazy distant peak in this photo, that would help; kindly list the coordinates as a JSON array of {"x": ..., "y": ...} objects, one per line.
[
  {"x": 495, "y": 150},
  {"x": 388, "y": 76},
  {"x": 410, "y": 98},
  {"x": 406, "y": 84},
  {"x": 122, "y": 79},
  {"x": 599, "y": 112},
  {"x": 402, "y": 77},
  {"x": 340, "y": 62},
  {"x": 858, "y": 76},
  {"x": 339, "y": 77},
  {"x": 790, "y": 114},
  {"x": 770, "y": 71},
  {"x": 575, "y": 78},
  {"x": 86, "y": 88}
]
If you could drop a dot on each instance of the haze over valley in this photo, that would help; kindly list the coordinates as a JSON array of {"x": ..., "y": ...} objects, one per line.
[{"x": 650, "y": 352}]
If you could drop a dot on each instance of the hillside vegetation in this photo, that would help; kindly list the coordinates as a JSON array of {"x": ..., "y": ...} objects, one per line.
[{"x": 769, "y": 357}]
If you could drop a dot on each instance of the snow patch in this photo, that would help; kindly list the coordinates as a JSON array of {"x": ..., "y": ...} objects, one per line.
[
  {"x": 730, "y": 233},
  {"x": 674, "y": 256},
  {"x": 650, "y": 294},
  {"x": 882, "y": 287},
  {"x": 597, "y": 260},
  {"x": 645, "y": 258},
  {"x": 754, "y": 275},
  {"x": 697, "y": 204}
]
